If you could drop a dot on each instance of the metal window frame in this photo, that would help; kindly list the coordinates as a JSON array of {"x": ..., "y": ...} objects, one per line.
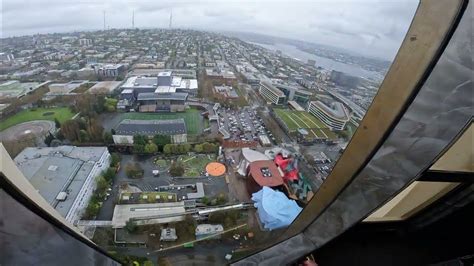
[
  {"x": 431, "y": 31},
  {"x": 23, "y": 199}
]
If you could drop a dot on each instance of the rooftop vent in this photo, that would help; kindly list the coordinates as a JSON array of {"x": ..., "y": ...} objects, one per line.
[
  {"x": 266, "y": 172},
  {"x": 61, "y": 196},
  {"x": 52, "y": 168}
]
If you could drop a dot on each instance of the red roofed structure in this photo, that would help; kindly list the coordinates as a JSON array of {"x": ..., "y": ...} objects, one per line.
[{"x": 263, "y": 173}]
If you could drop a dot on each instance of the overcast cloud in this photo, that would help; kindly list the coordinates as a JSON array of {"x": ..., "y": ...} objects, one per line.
[{"x": 371, "y": 27}]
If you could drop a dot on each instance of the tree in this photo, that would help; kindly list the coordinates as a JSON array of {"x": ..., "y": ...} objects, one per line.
[
  {"x": 133, "y": 170},
  {"x": 57, "y": 123},
  {"x": 94, "y": 129},
  {"x": 198, "y": 148},
  {"x": 71, "y": 130},
  {"x": 161, "y": 140},
  {"x": 138, "y": 148},
  {"x": 108, "y": 139},
  {"x": 114, "y": 159},
  {"x": 130, "y": 226},
  {"x": 167, "y": 149},
  {"x": 109, "y": 174},
  {"x": 139, "y": 139},
  {"x": 151, "y": 148},
  {"x": 83, "y": 136},
  {"x": 49, "y": 138},
  {"x": 102, "y": 185},
  {"x": 176, "y": 169}
]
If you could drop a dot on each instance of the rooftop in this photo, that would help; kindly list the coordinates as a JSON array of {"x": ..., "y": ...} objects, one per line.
[
  {"x": 266, "y": 173},
  {"x": 154, "y": 213},
  {"x": 151, "y": 127},
  {"x": 334, "y": 109},
  {"x": 177, "y": 96},
  {"x": 59, "y": 169}
]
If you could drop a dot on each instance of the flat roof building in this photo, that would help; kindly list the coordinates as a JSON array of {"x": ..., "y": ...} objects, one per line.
[
  {"x": 149, "y": 213},
  {"x": 64, "y": 175},
  {"x": 263, "y": 173},
  {"x": 334, "y": 115},
  {"x": 271, "y": 93},
  {"x": 207, "y": 230},
  {"x": 175, "y": 128}
]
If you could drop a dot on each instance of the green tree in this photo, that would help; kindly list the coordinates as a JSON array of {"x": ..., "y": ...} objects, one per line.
[
  {"x": 57, "y": 123},
  {"x": 133, "y": 170},
  {"x": 49, "y": 138},
  {"x": 114, "y": 159},
  {"x": 176, "y": 169},
  {"x": 148, "y": 263},
  {"x": 198, "y": 148},
  {"x": 161, "y": 140},
  {"x": 109, "y": 174},
  {"x": 167, "y": 149},
  {"x": 151, "y": 148},
  {"x": 108, "y": 139},
  {"x": 131, "y": 226},
  {"x": 174, "y": 149},
  {"x": 102, "y": 185},
  {"x": 83, "y": 136},
  {"x": 138, "y": 148},
  {"x": 139, "y": 139}
]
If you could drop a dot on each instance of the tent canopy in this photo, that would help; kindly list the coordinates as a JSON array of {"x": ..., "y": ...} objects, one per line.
[{"x": 274, "y": 209}]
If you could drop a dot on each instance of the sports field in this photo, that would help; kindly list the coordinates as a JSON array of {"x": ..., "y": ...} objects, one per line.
[
  {"x": 192, "y": 118},
  {"x": 301, "y": 119},
  {"x": 61, "y": 113}
]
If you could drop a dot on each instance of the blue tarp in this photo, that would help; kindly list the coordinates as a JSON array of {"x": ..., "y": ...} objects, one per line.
[{"x": 274, "y": 209}]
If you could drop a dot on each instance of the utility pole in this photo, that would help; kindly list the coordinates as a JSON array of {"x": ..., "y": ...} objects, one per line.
[
  {"x": 133, "y": 19},
  {"x": 104, "y": 19},
  {"x": 171, "y": 19}
]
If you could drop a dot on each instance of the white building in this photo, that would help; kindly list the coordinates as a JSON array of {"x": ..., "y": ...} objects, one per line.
[
  {"x": 271, "y": 93},
  {"x": 65, "y": 176},
  {"x": 208, "y": 230},
  {"x": 85, "y": 42},
  {"x": 334, "y": 116}
]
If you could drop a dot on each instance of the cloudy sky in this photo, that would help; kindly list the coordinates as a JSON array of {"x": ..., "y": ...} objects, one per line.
[{"x": 370, "y": 27}]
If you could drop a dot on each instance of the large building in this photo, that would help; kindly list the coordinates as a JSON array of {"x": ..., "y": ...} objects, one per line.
[
  {"x": 175, "y": 128},
  {"x": 334, "y": 115},
  {"x": 109, "y": 70},
  {"x": 65, "y": 176},
  {"x": 263, "y": 173},
  {"x": 165, "y": 92},
  {"x": 271, "y": 93},
  {"x": 279, "y": 93},
  {"x": 293, "y": 93},
  {"x": 162, "y": 101}
]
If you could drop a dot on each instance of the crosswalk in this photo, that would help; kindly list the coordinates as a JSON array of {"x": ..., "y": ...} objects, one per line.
[{"x": 146, "y": 187}]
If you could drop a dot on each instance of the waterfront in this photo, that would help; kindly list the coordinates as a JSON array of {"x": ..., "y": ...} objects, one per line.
[{"x": 326, "y": 63}]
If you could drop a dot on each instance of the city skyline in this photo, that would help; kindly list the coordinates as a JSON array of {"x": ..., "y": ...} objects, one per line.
[{"x": 371, "y": 28}]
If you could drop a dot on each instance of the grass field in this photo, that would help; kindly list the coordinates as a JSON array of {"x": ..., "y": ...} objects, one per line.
[
  {"x": 194, "y": 165},
  {"x": 61, "y": 113},
  {"x": 192, "y": 118},
  {"x": 301, "y": 119}
]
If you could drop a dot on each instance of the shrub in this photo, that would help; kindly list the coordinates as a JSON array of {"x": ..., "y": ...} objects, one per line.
[{"x": 133, "y": 170}]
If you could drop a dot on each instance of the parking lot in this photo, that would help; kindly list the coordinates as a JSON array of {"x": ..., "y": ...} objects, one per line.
[{"x": 244, "y": 124}]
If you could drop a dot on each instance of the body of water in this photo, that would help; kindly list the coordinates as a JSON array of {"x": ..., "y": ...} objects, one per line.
[{"x": 326, "y": 63}]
